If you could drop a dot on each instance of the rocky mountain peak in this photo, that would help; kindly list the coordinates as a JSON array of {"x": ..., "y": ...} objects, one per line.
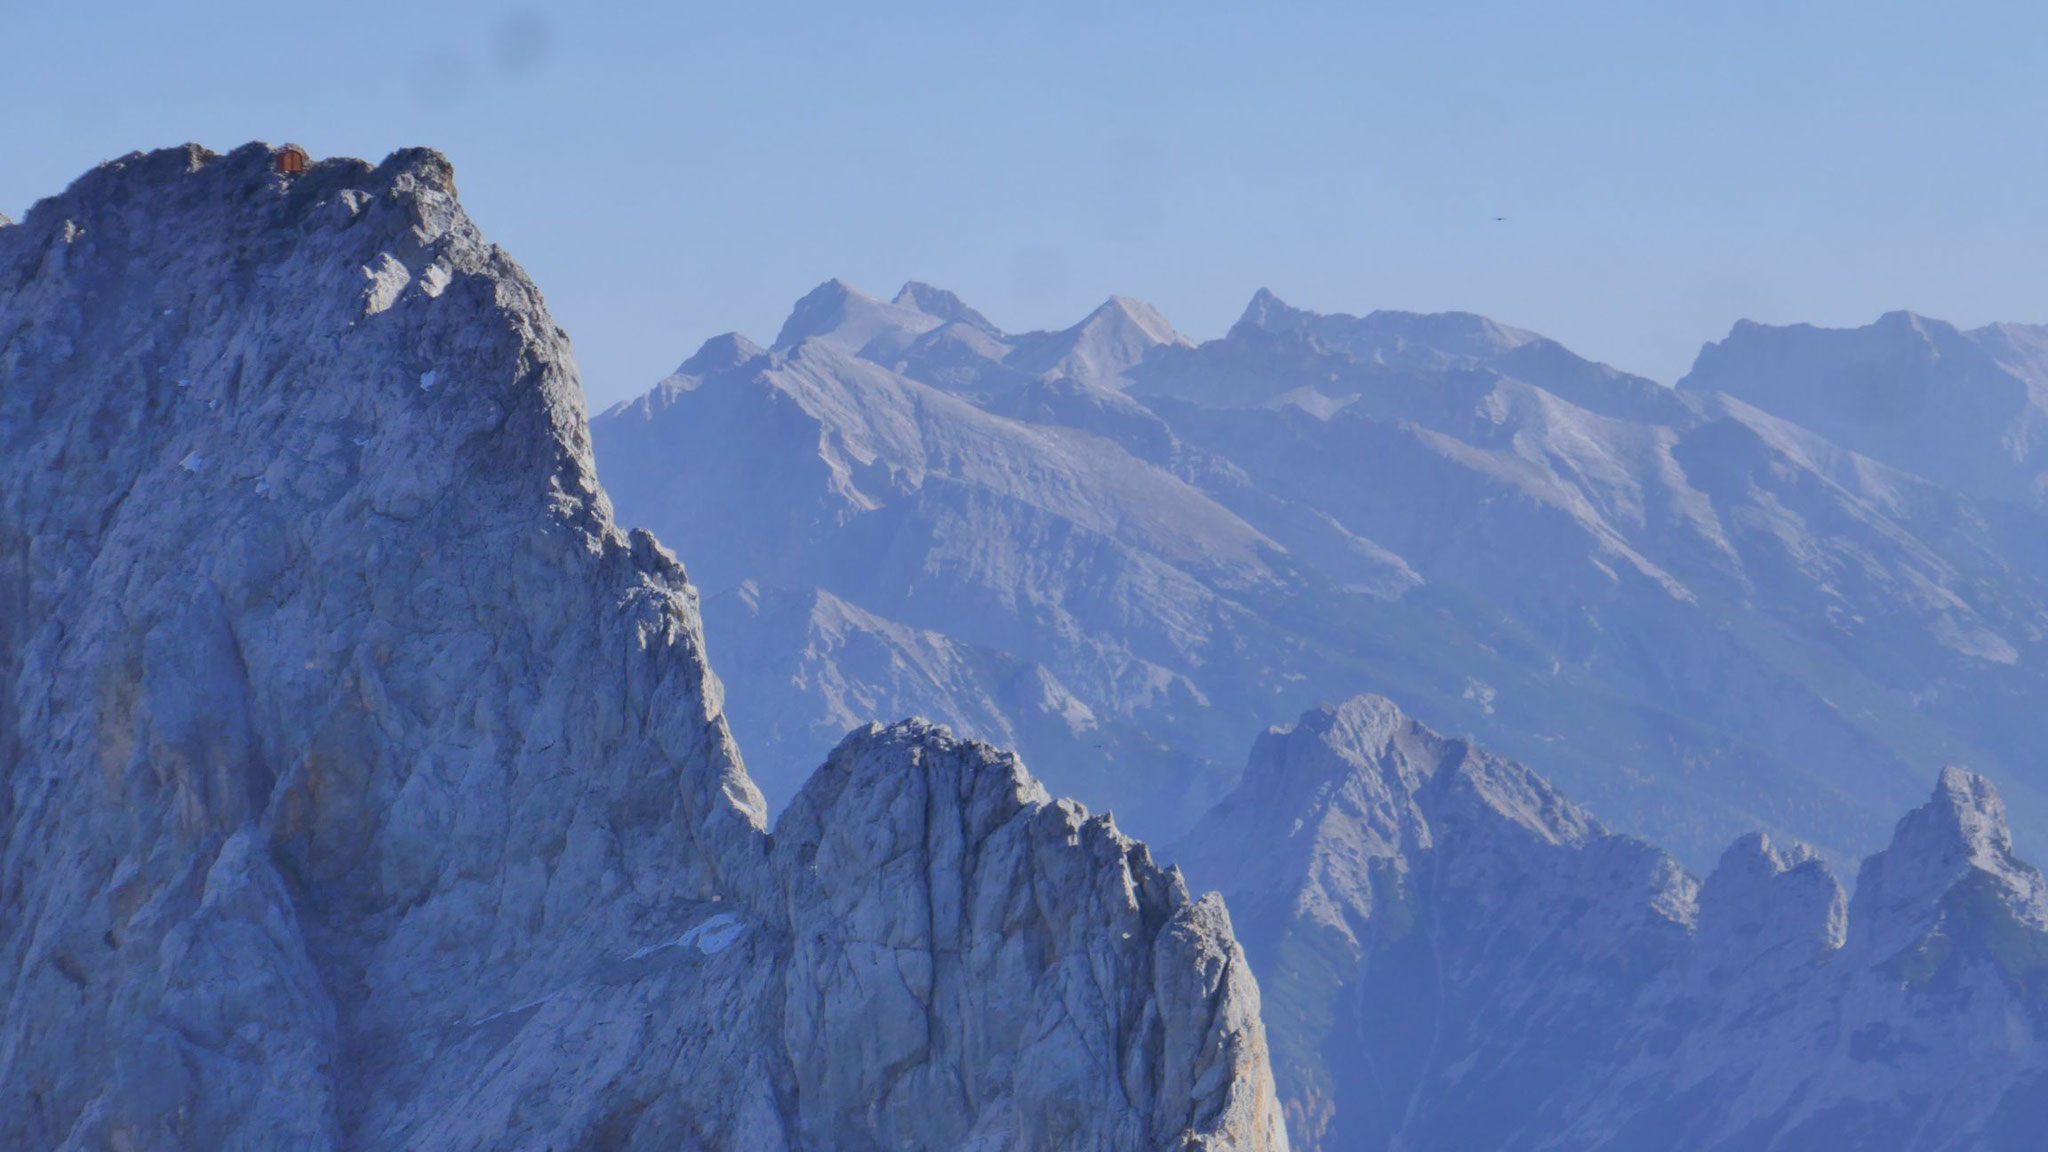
[
  {"x": 944, "y": 305},
  {"x": 721, "y": 354},
  {"x": 1959, "y": 835},
  {"x": 1098, "y": 351},
  {"x": 363, "y": 786},
  {"x": 843, "y": 316},
  {"x": 957, "y": 953},
  {"x": 1269, "y": 313},
  {"x": 1130, "y": 320},
  {"x": 1770, "y": 900}
]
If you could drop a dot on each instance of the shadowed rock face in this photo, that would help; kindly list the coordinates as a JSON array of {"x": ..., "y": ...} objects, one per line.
[
  {"x": 362, "y": 786},
  {"x": 1454, "y": 955}
]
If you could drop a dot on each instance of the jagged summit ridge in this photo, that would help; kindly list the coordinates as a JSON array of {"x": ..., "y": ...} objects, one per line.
[
  {"x": 1706, "y": 590},
  {"x": 1450, "y": 931},
  {"x": 366, "y": 787},
  {"x": 1411, "y": 339},
  {"x": 1960, "y": 835},
  {"x": 944, "y": 305}
]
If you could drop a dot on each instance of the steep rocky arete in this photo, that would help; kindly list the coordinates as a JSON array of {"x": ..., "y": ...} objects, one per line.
[{"x": 363, "y": 787}]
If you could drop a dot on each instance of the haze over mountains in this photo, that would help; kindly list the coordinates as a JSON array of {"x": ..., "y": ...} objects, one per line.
[
  {"x": 1775, "y": 596},
  {"x": 367, "y": 786},
  {"x": 1455, "y": 955}
]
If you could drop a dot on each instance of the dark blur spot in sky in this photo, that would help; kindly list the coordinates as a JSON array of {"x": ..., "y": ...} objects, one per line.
[{"x": 521, "y": 41}]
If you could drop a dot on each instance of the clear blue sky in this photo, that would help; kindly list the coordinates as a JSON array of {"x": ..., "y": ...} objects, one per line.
[{"x": 668, "y": 172}]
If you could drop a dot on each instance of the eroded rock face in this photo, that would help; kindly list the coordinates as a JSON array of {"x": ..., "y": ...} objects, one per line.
[
  {"x": 1454, "y": 955},
  {"x": 1011, "y": 972},
  {"x": 362, "y": 786}
]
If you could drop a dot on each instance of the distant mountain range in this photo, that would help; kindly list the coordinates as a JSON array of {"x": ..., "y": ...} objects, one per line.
[{"x": 1777, "y": 596}]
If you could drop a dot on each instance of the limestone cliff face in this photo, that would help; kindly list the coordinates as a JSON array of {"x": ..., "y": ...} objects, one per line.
[
  {"x": 1454, "y": 955},
  {"x": 1009, "y": 973},
  {"x": 362, "y": 786}
]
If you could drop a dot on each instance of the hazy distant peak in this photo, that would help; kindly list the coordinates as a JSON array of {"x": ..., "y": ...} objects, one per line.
[
  {"x": 849, "y": 318},
  {"x": 1466, "y": 333},
  {"x": 2020, "y": 348},
  {"x": 1132, "y": 317},
  {"x": 1964, "y": 409},
  {"x": 1904, "y": 318},
  {"x": 1268, "y": 313},
  {"x": 943, "y": 305},
  {"x": 1397, "y": 339},
  {"x": 1109, "y": 341},
  {"x": 2031, "y": 334},
  {"x": 1896, "y": 323},
  {"x": 821, "y": 310},
  {"x": 719, "y": 354}
]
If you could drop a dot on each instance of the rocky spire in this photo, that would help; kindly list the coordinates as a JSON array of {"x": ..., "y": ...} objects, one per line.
[
  {"x": 1769, "y": 902},
  {"x": 1269, "y": 313},
  {"x": 1958, "y": 835}
]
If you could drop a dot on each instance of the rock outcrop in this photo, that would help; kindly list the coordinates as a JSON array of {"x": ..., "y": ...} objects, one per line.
[
  {"x": 1454, "y": 955},
  {"x": 1008, "y": 972},
  {"x": 363, "y": 787}
]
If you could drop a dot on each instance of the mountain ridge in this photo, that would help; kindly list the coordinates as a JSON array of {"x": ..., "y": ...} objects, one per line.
[
  {"x": 1454, "y": 954},
  {"x": 1497, "y": 532},
  {"x": 366, "y": 786}
]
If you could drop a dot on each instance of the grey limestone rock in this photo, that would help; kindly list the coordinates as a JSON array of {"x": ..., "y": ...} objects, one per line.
[
  {"x": 363, "y": 787},
  {"x": 1012, "y": 974}
]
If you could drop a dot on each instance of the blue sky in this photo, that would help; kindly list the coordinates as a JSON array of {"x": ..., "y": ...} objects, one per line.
[{"x": 670, "y": 172}]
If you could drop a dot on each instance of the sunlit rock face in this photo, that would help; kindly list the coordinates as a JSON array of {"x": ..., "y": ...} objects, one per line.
[
  {"x": 1454, "y": 955},
  {"x": 363, "y": 787}
]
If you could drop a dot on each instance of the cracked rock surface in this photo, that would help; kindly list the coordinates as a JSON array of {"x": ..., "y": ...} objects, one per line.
[{"x": 363, "y": 787}]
